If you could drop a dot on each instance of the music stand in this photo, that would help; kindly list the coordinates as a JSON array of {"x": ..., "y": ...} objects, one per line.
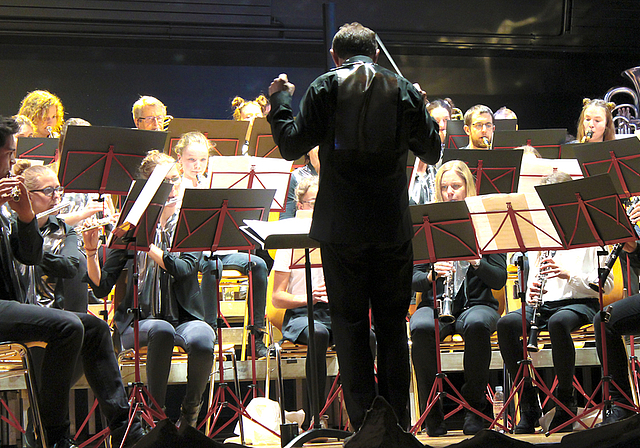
[
  {"x": 514, "y": 222},
  {"x": 620, "y": 158},
  {"x": 546, "y": 141},
  {"x": 534, "y": 169},
  {"x": 297, "y": 238},
  {"x": 456, "y": 138},
  {"x": 588, "y": 212},
  {"x": 442, "y": 231},
  {"x": 36, "y": 148},
  {"x": 103, "y": 159},
  {"x": 495, "y": 172},
  {"x": 228, "y": 135},
  {"x": 255, "y": 173},
  {"x": 505, "y": 124},
  {"x": 140, "y": 235},
  {"x": 209, "y": 220}
]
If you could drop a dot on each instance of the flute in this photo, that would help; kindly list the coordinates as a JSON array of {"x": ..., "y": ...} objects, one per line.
[{"x": 53, "y": 210}]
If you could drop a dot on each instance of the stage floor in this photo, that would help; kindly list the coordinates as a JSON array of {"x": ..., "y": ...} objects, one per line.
[{"x": 451, "y": 438}]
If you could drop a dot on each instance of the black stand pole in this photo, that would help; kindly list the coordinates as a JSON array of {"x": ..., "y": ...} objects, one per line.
[{"x": 316, "y": 431}]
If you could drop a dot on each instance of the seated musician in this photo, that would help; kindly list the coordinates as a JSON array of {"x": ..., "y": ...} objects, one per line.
[
  {"x": 478, "y": 125},
  {"x": 193, "y": 150},
  {"x": 150, "y": 114},
  {"x": 474, "y": 308},
  {"x": 596, "y": 122},
  {"x": 61, "y": 256},
  {"x": 624, "y": 319},
  {"x": 565, "y": 304},
  {"x": 423, "y": 191},
  {"x": 248, "y": 110},
  {"x": 69, "y": 336},
  {"x": 290, "y": 293},
  {"x": 172, "y": 280},
  {"x": 45, "y": 111}
]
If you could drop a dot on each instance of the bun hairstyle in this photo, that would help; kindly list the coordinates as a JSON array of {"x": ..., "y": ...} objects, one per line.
[
  {"x": 238, "y": 104},
  {"x": 600, "y": 103},
  {"x": 610, "y": 130}
]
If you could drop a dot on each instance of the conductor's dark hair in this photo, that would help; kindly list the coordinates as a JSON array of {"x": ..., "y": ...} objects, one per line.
[
  {"x": 8, "y": 127},
  {"x": 353, "y": 39}
]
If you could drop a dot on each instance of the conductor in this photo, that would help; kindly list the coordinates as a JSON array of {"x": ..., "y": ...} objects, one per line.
[{"x": 364, "y": 118}]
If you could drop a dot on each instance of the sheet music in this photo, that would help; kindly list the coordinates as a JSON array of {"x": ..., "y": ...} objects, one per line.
[
  {"x": 268, "y": 173},
  {"x": 533, "y": 169},
  {"x": 494, "y": 230},
  {"x": 289, "y": 226},
  {"x": 145, "y": 196}
]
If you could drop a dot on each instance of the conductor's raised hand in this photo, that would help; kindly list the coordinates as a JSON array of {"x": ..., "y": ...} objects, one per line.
[{"x": 281, "y": 84}]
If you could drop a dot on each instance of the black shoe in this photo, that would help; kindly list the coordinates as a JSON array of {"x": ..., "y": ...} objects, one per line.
[
  {"x": 65, "y": 443},
  {"x": 435, "y": 421},
  {"x": 261, "y": 350},
  {"x": 135, "y": 434},
  {"x": 189, "y": 415},
  {"x": 530, "y": 411},
  {"x": 473, "y": 423},
  {"x": 616, "y": 414},
  {"x": 561, "y": 416}
]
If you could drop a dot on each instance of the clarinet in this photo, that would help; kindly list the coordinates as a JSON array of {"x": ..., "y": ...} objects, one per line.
[
  {"x": 532, "y": 345},
  {"x": 445, "y": 305}
]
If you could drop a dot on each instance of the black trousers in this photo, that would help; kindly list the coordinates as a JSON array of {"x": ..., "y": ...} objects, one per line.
[
  {"x": 561, "y": 319},
  {"x": 70, "y": 337},
  {"x": 475, "y": 325},
  {"x": 625, "y": 320},
  {"x": 376, "y": 277}
]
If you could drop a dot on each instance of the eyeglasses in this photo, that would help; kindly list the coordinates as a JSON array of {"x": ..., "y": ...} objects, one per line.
[
  {"x": 481, "y": 126},
  {"x": 48, "y": 191},
  {"x": 312, "y": 202},
  {"x": 455, "y": 187},
  {"x": 174, "y": 180},
  {"x": 166, "y": 119}
]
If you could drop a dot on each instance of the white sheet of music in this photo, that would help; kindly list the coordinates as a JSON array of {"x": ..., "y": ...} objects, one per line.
[
  {"x": 147, "y": 193},
  {"x": 236, "y": 172},
  {"x": 533, "y": 169},
  {"x": 495, "y": 231}
]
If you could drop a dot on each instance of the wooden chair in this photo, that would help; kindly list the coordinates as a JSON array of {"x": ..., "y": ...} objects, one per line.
[{"x": 15, "y": 360}]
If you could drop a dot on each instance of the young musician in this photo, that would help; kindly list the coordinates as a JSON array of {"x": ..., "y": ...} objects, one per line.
[
  {"x": 193, "y": 150},
  {"x": 478, "y": 125},
  {"x": 69, "y": 336},
  {"x": 624, "y": 319},
  {"x": 564, "y": 304},
  {"x": 596, "y": 122},
  {"x": 248, "y": 110},
  {"x": 423, "y": 191},
  {"x": 45, "y": 110},
  {"x": 172, "y": 279},
  {"x": 474, "y": 308},
  {"x": 290, "y": 293}
]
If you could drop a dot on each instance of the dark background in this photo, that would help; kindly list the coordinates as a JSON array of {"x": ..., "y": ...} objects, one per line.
[{"x": 540, "y": 58}]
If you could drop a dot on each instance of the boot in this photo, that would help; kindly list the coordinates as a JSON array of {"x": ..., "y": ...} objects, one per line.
[
  {"x": 473, "y": 423},
  {"x": 189, "y": 415},
  {"x": 561, "y": 416},
  {"x": 435, "y": 421},
  {"x": 530, "y": 411}
]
